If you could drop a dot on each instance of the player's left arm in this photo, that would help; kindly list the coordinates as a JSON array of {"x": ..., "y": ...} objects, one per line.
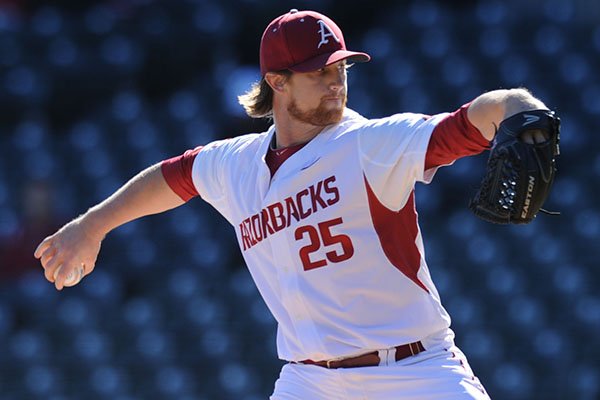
[
  {"x": 470, "y": 129},
  {"x": 488, "y": 110}
]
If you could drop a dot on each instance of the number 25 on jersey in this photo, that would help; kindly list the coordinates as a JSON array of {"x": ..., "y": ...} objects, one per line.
[{"x": 339, "y": 246}]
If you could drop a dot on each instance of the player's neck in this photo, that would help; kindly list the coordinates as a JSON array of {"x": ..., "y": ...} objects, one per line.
[{"x": 290, "y": 131}]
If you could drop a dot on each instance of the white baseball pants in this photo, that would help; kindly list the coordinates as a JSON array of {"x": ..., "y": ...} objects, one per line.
[{"x": 441, "y": 373}]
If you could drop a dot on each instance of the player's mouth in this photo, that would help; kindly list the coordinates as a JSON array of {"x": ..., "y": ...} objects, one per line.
[{"x": 336, "y": 99}]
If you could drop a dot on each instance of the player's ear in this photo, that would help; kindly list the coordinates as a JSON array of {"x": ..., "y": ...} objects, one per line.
[{"x": 276, "y": 81}]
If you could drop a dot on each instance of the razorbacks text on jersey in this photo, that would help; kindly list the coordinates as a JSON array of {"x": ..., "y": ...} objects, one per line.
[{"x": 331, "y": 238}]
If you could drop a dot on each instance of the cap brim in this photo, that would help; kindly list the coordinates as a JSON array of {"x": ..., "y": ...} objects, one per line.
[{"x": 326, "y": 59}]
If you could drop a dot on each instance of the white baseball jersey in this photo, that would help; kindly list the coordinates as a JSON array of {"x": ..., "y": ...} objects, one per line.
[{"x": 332, "y": 239}]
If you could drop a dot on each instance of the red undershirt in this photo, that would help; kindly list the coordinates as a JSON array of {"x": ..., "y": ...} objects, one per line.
[{"x": 454, "y": 137}]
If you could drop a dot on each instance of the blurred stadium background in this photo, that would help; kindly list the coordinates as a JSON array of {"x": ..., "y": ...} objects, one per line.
[{"x": 91, "y": 92}]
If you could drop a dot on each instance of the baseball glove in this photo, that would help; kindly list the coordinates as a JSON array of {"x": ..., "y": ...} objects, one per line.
[{"x": 519, "y": 175}]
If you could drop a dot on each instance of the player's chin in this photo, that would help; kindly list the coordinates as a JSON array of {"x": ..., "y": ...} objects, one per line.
[
  {"x": 323, "y": 115},
  {"x": 331, "y": 111},
  {"x": 326, "y": 117},
  {"x": 335, "y": 115}
]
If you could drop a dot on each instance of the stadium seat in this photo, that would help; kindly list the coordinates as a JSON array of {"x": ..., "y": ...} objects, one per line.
[{"x": 491, "y": 12}]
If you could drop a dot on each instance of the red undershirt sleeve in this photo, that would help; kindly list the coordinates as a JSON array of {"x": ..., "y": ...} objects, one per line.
[
  {"x": 177, "y": 172},
  {"x": 454, "y": 137}
]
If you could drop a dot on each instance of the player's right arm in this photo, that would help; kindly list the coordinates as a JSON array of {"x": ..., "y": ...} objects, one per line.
[{"x": 77, "y": 244}]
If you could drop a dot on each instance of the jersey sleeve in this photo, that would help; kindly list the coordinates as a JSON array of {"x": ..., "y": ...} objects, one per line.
[
  {"x": 452, "y": 138},
  {"x": 392, "y": 154},
  {"x": 208, "y": 172},
  {"x": 177, "y": 172},
  {"x": 198, "y": 172}
]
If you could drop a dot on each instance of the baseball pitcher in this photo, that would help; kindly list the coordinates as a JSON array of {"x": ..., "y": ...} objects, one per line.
[{"x": 323, "y": 206}]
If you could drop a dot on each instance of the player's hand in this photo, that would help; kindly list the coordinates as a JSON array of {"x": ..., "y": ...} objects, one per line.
[
  {"x": 69, "y": 254},
  {"x": 534, "y": 136}
]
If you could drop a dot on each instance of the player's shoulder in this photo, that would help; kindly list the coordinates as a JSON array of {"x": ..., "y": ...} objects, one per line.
[
  {"x": 354, "y": 122},
  {"x": 404, "y": 119},
  {"x": 236, "y": 144}
]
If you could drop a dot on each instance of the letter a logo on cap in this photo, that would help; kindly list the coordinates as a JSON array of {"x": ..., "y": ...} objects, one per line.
[{"x": 324, "y": 35}]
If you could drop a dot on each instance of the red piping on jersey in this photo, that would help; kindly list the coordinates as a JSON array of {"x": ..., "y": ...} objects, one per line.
[{"x": 397, "y": 232}]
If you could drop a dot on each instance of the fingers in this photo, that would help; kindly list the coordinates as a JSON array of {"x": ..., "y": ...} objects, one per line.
[
  {"x": 87, "y": 268},
  {"x": 81, "y": 272},
  {"x": 42, "y": 247},
  {"x": 67, "y": 256},
  {"x": 66, "y": 276},
  {"x": 534, "y": 136},
  {"x": 63, "y": 276},
  {"x": 527, "y": 137},
  {"x": 47, "y": 255},
  {"x": 58, "y": 267},
  {"x": 50, "y": 268},
  {"x": 59, "y": 277},
  {"x": 539, "y": 136},
  {"x": 51, "y": 262}
]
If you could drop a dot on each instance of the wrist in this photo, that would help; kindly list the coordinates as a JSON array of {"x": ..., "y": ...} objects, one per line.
[
  {"x": 519, "y": 100},
  {"x": 94, "y": 224}
]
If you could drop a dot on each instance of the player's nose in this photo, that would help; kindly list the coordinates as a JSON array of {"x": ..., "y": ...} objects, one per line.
[{"x": 337, "y": 81}]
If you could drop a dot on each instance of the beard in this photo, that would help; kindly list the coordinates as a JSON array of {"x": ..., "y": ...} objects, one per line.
[{"x": 320, "y": 116}]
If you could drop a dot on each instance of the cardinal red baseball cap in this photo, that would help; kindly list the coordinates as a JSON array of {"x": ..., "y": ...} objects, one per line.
[{"x": 303, "y": 41}]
